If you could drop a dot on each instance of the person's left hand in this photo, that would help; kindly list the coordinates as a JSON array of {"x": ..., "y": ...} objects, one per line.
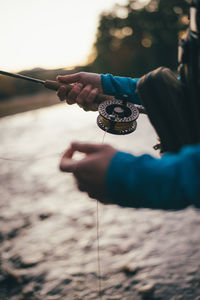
[{"x": 90, "y": 172}]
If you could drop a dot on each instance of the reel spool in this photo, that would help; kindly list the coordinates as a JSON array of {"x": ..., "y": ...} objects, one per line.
[{"x": 117, "y": 116}]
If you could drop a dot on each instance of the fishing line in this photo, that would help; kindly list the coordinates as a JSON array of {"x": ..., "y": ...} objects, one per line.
[
  {"x": 98, "y": 240},
  {"x": 30, "y": 158},
  {"x": 115, "y": 116},
  {"x": 98, "y": 249},
  {"x": 97, "y": 210}
]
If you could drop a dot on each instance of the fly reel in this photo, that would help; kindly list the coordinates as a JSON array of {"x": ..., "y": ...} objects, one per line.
[{"x": 117, "y": 116}]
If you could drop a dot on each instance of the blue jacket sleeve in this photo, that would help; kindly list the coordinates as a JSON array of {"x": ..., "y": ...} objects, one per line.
[
  {"x": 119, "y": 86},
  {"x": 171, "y": 182}
]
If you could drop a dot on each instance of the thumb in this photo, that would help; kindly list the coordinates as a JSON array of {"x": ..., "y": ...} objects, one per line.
[
  {"x": 86, "y": 147},
  {"x": 67, "y": 164},
  {"x": 72, "y": 78}
]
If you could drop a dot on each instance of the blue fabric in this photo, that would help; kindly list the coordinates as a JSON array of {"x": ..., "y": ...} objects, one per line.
[
  {"x": 120, "y": 86},
  {"x": 171, "y": 182}
]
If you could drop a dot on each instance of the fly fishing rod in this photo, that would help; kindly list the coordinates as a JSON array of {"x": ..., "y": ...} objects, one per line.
[
  {"x": 49, "y": 84},
  {"x": 115, "y": 116}
]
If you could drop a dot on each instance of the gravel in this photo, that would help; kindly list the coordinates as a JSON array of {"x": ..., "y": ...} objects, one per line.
[{"x": 48, "y": 248}]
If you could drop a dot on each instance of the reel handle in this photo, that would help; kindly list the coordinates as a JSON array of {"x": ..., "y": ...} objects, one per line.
[{"x": 54, "y": 85}]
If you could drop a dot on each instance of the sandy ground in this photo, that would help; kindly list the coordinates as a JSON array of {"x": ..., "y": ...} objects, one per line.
[{"x": 48, "y": 228}]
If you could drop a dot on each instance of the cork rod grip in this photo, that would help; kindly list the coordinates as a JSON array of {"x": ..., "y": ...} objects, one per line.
[{"x": 54, "y": 85}]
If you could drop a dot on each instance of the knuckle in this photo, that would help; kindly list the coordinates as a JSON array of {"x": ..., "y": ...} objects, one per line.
[
  {"x": 85, "y": 91},
  {"x": 92, "y": 95},
  {"x": 58, "y": 93},
  {"x": 61, "y": 95},
  {"x": 92, "y": 195},
  {"x": 95, "y": 91},
  {"x": 80, "y": 76},
  {"x": 81, "y": 188},
  {"x": 72, "y": 94},
  {"x": 75, "y": 91},
  {"x": 86, "y": 108},
  {"x": 78, "y": 87},
  {"x": 70, "y": 102},
  {"x": 80, "y": 101},
  {"x": 95, "y": 107},
  {"x": 88, "y": 88}
]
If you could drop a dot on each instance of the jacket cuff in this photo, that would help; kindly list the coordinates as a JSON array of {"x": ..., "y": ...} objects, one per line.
[
  {"x": 108, "y": 87},
  {"x": 119, "y": 86},
  {"x": 116, "y": 178}
]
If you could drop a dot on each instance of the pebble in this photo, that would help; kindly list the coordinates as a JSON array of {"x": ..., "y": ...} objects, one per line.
[
  {"x": 130, "y": 271},
  {"x": 31, "y": 260},
  {"x": 146, "y": 291}
]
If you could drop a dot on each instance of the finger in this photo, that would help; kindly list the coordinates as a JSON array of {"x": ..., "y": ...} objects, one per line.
[
  {"x": 82, "y": 98},
  {"x": 70, "y": 102},
  {"x": 68, "y": 153},
  {"x": 68, "y": 165},
  {"x": 85, "y": 187},
  {"x": 96, "y": 194},
  {"x": 73, "y": 94},
  {"x": 104, "y": 199},
  {"x": 92, "y": 95},
  {"x": 94, "y": 107},
  {"x": 92, "y": 195},
  {"x": 81, "y": 187},
  {"x": 69, "y": 78},
  {"x": 61, "y": 93},
  {"x": 85, "y": 147},
  {"x": 90, "y": 106}
]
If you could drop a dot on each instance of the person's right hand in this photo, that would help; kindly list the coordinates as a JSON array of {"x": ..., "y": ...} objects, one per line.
[
  {"x": 86, "y": 87},
  {"x": 90, "y": 171}
]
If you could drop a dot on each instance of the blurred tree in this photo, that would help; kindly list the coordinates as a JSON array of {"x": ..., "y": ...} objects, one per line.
[
  {"x": 131, "y": 40},
  {"x": 135, "y": 38}
]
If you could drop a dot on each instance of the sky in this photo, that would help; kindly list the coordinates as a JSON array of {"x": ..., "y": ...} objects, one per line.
[{"x": 48, "y": 33}]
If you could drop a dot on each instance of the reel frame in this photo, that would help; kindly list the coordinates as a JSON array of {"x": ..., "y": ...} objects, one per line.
[{"x": 117, "y": 116}]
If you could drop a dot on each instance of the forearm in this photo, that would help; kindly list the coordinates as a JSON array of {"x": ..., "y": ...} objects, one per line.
[
  {"x": 172, "y": 182},
  {"x": 120, "y": 86}
]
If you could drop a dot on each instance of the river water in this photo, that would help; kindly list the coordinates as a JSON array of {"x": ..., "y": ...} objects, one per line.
[{"x": 48, "y": 228}]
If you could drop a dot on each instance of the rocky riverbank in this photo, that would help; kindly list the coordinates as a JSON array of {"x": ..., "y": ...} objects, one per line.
[{"x": 48, "y": 228}]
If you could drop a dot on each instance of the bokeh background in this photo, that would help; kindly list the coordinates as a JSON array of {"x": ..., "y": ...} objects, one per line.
[
  {"x": 46, "y": 38},
  {"x": 48, "y": 229}
]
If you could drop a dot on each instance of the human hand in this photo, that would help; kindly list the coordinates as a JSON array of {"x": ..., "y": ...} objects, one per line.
[
  {"x": 86, "y": 87},
  {"x": 90, "y": 172}
]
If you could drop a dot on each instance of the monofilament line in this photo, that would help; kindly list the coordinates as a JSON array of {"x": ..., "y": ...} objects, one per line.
[
  {"x": 98, "y": 249},
  {"x": 31, "y": 158},
  {"x": 98, "y": 243}
]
